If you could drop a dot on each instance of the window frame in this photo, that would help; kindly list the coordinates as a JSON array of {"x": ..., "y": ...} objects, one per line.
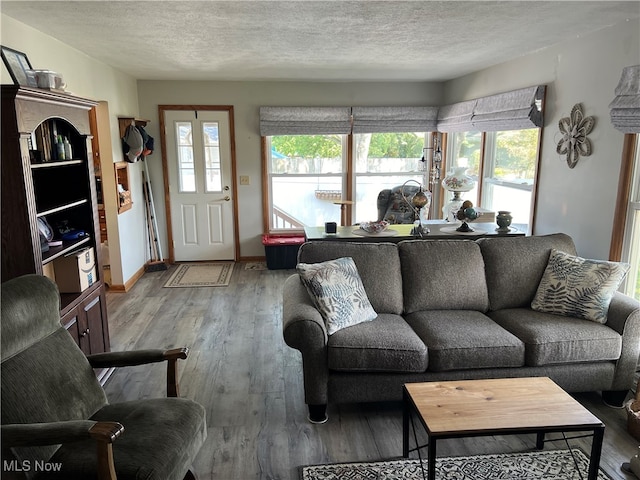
[{"x": 627, "y": 201}]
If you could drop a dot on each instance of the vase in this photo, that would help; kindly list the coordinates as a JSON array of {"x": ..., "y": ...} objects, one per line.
[{"x": 503, "y": 219}]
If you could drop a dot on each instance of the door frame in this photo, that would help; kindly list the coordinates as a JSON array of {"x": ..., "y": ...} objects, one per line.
[{"x": 165, "y": 170}]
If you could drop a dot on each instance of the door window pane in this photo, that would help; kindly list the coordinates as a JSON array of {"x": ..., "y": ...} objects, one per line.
[
  {"x": 186, "y": 170},
  {"x": 213, "y": 182}
]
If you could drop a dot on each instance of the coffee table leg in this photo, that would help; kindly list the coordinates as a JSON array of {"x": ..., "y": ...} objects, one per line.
[
  {"x": 405, "y": 424},
  {"x": 540, "y": 440},
  {"x": 432, "y": 459},
  {"x": 596, "y": 450}
]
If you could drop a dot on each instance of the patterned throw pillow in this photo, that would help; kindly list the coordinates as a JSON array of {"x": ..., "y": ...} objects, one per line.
[
  {"x": 578, "y": 287},
  {"x": 337, "y": 291}
]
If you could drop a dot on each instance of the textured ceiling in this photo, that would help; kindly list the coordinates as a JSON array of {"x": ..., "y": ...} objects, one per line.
[{"x": 313, "y": 40}]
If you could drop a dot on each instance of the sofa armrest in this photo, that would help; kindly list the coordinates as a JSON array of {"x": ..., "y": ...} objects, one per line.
[
  {"x": 304, "y": 329},
  {"x": 143, "y": 357},
  {"x": 302, "y": 323},
  {"x": 624, "y": 318}
]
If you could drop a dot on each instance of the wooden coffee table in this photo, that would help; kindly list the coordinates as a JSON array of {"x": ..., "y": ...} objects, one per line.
[{"x": 469, "y": 408}]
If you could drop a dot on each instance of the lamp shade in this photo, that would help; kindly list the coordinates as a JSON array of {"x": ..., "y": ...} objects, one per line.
[{"x": 458, "y": 181}]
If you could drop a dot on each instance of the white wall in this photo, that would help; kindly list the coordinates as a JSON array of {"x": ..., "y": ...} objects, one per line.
[
  {"x": 578, "y": 201},
  {"x": 246, "y": 98},
  {"x": 86, "y": 77}
]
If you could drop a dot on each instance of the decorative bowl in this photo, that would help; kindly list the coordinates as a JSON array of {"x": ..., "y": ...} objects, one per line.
[{"x": 374, "y": 227}]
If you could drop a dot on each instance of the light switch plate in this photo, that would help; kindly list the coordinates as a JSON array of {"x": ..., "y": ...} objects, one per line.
[{"x": 244, "y": 180}]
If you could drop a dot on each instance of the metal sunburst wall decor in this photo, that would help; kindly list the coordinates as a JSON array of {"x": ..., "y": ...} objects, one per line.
[{"x": 574, "y": 130}]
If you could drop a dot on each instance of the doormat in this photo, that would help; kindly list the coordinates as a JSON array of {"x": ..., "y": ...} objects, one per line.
[
  {"x": 255, "y": 266},
  {"x": 538, "y": 465},
  {"x": 201, "y": 275}
]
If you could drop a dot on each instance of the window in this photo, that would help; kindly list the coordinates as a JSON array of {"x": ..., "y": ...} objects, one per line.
[
  {"x": 631, "y": 245},
  {"x": 504, "y": 166},
  {"x": 466, "y": 151},
  {"x": 384, "y": 160},
  {"x": 212, "y": 157},
  {"x": 308, "y": 173},
  {"x": 186, "y": 168}
]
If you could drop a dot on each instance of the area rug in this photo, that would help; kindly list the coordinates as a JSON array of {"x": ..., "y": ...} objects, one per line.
[
  {"x": 201, "y": 275},
  {"x": 538, "y": 465}
]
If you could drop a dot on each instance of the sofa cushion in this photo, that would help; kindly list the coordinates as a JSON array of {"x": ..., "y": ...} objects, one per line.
[
  {"x": 514, "y": 266},
  {"x": 552, "y": 339},
  {"x": 337, "y": 292},
  {"x": 465, "y": 339},
  {"x": 442, "y": 275},
  {"x": 578, "y": 287},
  {"x": 386, "y": 344},
  {"x": 378, "y": 265}
]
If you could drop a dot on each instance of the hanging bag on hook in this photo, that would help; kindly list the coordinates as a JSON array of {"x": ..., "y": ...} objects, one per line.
[{"x": 132, "y": 144}]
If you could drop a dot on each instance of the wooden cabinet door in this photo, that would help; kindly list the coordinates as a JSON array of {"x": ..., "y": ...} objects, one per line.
[
  {"x": 76, "y": 325},
  {"x": 86, "y": 323},
  {"x": 92, "y": 311}
]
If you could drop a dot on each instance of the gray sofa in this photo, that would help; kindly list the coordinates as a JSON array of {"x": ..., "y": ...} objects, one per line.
[{"x": 450, "y": 310}]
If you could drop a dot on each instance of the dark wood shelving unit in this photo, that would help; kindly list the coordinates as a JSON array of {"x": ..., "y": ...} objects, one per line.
[{"x": 38, "y": 183}]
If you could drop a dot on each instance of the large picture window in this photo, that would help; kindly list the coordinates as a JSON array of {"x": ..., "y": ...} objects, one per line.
[
  {"x": 309, "y": 173},
  {"x": 306, "y": 174},
  {"x": 504, "y": 164},
  {"x": 384, "y": 161}
]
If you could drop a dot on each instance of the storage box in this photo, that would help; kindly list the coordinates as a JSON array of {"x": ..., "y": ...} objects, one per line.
[
  {"x": 282, "y": 250},
  {"x": 76, "y": 271}
]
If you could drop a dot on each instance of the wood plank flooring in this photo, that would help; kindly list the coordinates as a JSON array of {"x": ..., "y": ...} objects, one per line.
[{"x": 250, "y": 383}]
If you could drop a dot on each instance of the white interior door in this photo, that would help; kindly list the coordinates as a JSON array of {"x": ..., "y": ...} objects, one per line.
[{"x": 200, "y": 184}]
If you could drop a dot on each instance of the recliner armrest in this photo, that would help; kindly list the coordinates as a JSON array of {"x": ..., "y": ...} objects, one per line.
[
  {"x": 53, "y": 433},
  {"x": 143, "y": 357},
  {"x": 39, "y": 434},
  {"x": 135, "y": 357}
]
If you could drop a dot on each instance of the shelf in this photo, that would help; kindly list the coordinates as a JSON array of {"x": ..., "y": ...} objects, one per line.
[
  {"x": 124, "y": 189},
  {"x": 62, "y": 207},
  {"x": 66, "y": 247},
  {"x": 57, "y": 164}
]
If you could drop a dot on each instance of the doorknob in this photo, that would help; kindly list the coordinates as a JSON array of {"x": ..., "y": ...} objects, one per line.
[
  {"x": 227, "y": 198},
  {"x": 226, "y": 188}
]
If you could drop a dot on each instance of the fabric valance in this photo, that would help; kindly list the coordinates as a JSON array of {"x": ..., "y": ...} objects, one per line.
[
  {"x": 513, "y": 110},
  {"x": 456, "y": 117},
  {"x": 305, "y": 120},
  {"x": 625, "y": 108},
  {"x": 394, "y": 119}
]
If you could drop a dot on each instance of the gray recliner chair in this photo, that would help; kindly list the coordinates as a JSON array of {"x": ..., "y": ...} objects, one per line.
[
  {"x": 393, "y": 208},
  {"x": 56, "y": 415}
]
